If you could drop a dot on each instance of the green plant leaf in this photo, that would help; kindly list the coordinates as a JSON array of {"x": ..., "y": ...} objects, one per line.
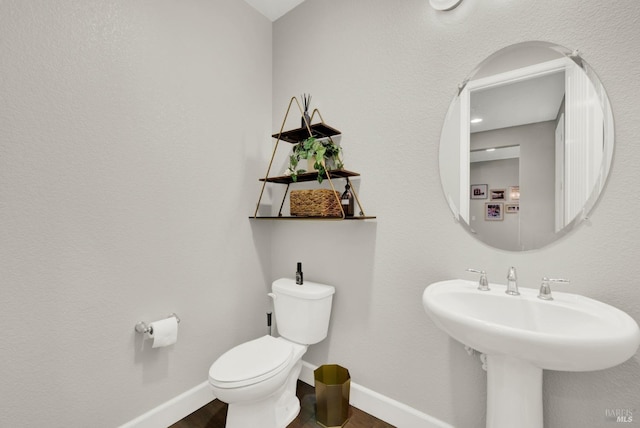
[{"x": 320, "y": 152}]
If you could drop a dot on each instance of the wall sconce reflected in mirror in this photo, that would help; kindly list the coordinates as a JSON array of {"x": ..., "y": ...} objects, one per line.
[
  {"x": 444, "y": 4},
  {"x": 514, "y": 193}
]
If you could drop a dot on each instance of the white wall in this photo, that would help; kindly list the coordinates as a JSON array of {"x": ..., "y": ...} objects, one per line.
[
  {"x": 131, "y": 133},
  {"x": 384, "y": 72}
]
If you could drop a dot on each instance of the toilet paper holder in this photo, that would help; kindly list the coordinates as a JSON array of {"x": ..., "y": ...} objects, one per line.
[{"x": 142, "y": 327}]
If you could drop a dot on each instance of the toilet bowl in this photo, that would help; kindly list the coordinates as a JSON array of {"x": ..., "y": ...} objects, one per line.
[{"x": 258, "y": 378}]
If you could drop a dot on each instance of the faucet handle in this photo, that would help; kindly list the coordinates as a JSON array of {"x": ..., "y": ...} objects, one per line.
[
  {"x": 545, "y": 288},
  {"x": 483, "y": 283},
  {"x": 511, "y": 275}
]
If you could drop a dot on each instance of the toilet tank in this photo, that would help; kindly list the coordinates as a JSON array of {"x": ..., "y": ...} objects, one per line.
[{"x": 302, "y": 311}]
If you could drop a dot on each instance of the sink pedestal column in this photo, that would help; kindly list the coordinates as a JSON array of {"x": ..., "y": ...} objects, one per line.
[{"x": 514, "y": 393}]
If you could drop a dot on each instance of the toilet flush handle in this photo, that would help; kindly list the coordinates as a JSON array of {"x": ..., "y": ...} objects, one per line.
[{"x": 272, "y": 295}]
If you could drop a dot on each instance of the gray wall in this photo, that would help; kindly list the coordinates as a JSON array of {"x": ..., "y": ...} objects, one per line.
[
  {"x": 131, "y": 136},
  {"x": 384, "y": 73}
]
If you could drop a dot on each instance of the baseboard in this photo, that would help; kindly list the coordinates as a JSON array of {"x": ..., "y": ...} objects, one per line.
[
  {"x": 175, "y": 409},
  {"x": 380, "y": 406}
]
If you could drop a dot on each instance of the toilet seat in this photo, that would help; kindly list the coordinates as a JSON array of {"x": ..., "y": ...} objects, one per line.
[{"x": 251, "y": 362}]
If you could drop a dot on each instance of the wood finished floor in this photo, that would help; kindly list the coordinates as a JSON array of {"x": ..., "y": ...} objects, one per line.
[{"x": 214, "y": 414}]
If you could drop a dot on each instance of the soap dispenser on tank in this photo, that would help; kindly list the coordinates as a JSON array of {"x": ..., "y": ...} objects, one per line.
[{"x": 299, "y": 276}]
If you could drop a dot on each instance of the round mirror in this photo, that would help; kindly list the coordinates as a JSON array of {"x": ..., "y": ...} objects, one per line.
[{"x": 526, "y": 146}]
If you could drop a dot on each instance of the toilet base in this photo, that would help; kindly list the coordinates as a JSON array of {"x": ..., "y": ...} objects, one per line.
[{"x": 263, "y": 414}]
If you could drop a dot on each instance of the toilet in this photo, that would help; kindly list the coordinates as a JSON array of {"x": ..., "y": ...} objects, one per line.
[{"x": 258, "y": 378}]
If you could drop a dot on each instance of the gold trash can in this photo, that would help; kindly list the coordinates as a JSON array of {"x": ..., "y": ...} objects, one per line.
[{"x": 333, "y": 383}]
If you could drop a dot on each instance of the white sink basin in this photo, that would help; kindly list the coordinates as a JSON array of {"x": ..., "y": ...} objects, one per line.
[
  {"x": 522, "y": 335},
  {"x": 569, "y": 333}
]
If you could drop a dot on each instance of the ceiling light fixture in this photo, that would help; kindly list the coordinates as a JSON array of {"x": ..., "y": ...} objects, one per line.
[
  {"x": 476, "y": 120},
  {"x": 444, "y": 4}
]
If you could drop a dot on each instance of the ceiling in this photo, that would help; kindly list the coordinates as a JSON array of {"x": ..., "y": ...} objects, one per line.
[
  {"x": 524, "y": 102},
  {"x": 273, "y": 9}
]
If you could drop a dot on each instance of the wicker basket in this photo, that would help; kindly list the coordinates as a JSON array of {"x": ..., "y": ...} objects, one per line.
[{"x": 315, "y": 203}]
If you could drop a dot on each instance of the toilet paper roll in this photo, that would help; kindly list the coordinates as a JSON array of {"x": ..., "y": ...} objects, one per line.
[{"x": 165, "y": 332}]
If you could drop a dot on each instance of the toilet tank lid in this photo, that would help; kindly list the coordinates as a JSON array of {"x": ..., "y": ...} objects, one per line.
[{"x": 308, "y": 290}]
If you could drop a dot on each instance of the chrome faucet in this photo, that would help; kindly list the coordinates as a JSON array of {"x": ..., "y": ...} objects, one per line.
[
  {"x": 512, "y": 282},
  {"x": 545, "y": 288}
]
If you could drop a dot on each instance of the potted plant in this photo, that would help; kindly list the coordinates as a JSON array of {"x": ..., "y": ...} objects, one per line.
[{"x": 324, "y": 154}]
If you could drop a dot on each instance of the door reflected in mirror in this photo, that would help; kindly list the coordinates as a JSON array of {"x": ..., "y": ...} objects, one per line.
[{"x": 535, "y": 118}]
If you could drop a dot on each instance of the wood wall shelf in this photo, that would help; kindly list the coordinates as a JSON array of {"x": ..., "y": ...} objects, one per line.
[
  {"x": 310, "y": 176},
  {"x": 359, "y": 217},
  {"x": 318, "y": 130}
]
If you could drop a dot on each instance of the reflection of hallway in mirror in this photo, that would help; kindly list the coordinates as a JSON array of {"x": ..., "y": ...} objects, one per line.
[
  {"x": 502, "y": 231},
  {"x": 529, "y": 220}
]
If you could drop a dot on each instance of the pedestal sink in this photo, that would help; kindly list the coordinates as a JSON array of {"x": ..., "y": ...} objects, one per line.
[{"x": 522, "y": 335}]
